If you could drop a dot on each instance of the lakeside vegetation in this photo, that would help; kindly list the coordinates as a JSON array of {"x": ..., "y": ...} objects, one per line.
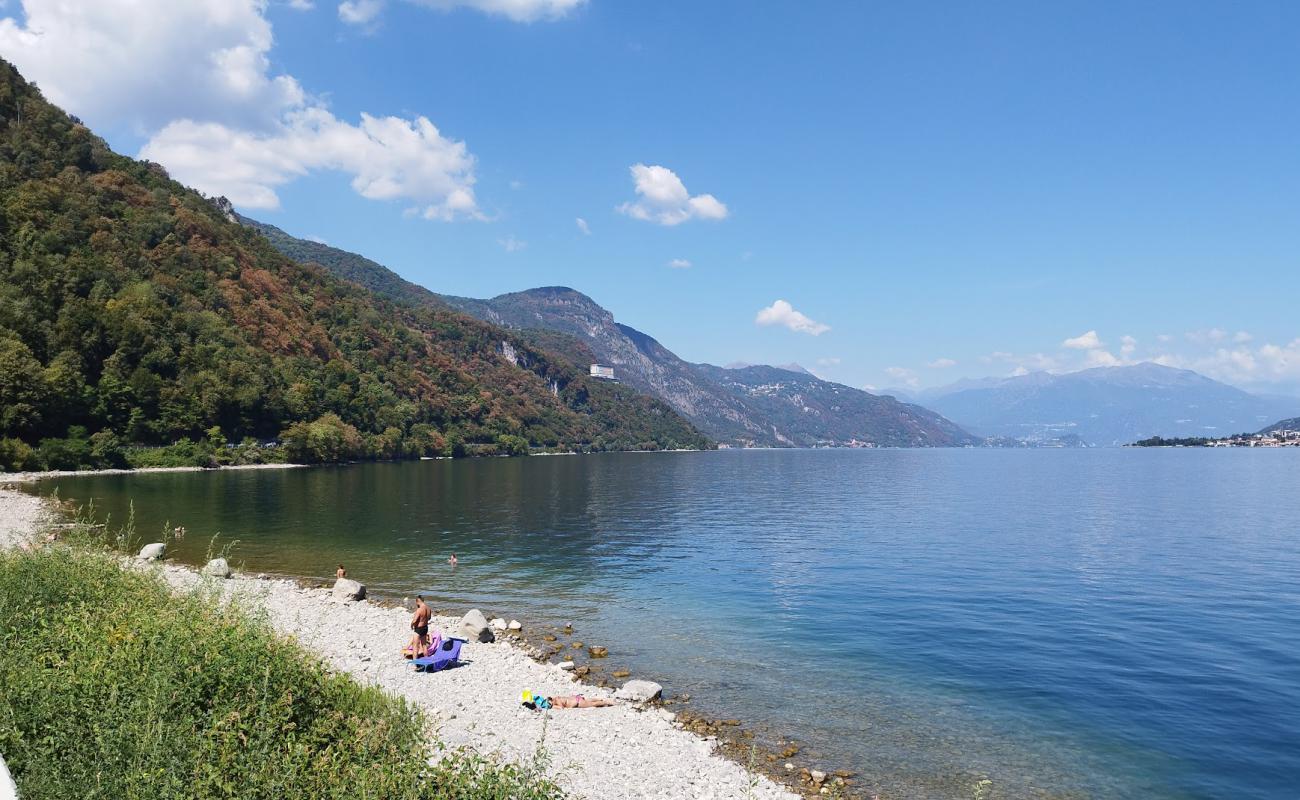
[
  {"x": 1185, "y": 441},
  {"x": 115, "y": 687},
  {"x": 134, "y": 314}
]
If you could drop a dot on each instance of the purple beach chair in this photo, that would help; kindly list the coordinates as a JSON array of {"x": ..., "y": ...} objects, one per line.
[{"x": 448, "y": 653}]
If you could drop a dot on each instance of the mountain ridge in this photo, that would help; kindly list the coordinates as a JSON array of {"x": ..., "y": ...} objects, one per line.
[
  {"x": 1104, "y": 405},
  {"x": 730, "y": 408}
]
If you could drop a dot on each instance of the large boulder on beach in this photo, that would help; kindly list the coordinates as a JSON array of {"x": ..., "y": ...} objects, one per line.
[
  {"x": 348, "y": 589},
  {"x": 217, "y": 568},
  {"x": 639, "y": 691},
  {"x": 153, "y": 552},
  {"x": 474, "y": 627}
]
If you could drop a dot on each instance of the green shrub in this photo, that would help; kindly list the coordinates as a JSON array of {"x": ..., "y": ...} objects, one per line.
[
  {"x": 17, "y": 455},
  {"x": 116, "y": 688}
]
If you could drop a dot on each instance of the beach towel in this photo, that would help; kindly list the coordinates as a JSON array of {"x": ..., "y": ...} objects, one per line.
[{"x": 448, "y": 653}]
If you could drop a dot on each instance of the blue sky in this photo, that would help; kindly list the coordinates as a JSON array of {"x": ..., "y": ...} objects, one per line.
[{"x": 919, "y": 183}]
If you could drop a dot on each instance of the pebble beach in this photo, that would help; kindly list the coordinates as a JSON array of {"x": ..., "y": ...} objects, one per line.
[{"x": 625, "y": 751}]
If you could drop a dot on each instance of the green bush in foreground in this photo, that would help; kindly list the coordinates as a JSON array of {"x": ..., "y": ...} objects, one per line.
[{"x": 113, "y": 687}]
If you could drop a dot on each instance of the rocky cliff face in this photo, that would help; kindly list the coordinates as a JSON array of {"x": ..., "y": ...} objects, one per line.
[{"x": 751, "y": 406}]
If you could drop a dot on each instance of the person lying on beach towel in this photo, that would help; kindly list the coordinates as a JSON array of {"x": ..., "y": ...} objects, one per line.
[
  {"x": 417, "y": 650},
  {"x": 536, "y": 701}
]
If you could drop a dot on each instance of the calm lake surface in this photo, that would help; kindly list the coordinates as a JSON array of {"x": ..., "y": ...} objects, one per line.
[{"x": 1063, "y": 623}]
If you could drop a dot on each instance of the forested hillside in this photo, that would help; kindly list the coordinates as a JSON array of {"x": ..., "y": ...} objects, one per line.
[{"x": 133, "y": 312}]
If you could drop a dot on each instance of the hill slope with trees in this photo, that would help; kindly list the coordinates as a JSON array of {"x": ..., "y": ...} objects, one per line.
[{"x": 133, "y": 311}]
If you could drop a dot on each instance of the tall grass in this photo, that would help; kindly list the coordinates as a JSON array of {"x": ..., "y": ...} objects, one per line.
[{"x": 111, "y": 686}]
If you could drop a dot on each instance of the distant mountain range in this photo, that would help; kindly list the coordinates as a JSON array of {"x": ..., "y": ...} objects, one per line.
[
  {"x": 746, "y": 405},
  {"x": 1105, "y": 406}
]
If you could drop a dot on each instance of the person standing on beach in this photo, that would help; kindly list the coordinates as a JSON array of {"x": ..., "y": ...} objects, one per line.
[{"x": 420, "y": 625}]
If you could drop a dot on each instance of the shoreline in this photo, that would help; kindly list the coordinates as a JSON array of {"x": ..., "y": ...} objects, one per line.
[
  {"x": 33, "y": 477},
  {"x": 627, "y": 751}
]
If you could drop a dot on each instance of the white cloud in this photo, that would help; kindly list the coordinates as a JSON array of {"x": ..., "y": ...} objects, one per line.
[
  {"x": 679, "y": 263},
  {"x": 782, "y": 313},
  {"x": 511, "y": 244},
  {"x": 1241, "y": 337},
  {"x": 583, "y": 226},
  {"x": 195, "y": 79},
  {"x": 904, "y": 376},
  {"x": 516, "y": 185},
  {"x": 663, "y": 199},
  {"x": 301, "y": 5},
  {"x": 1268, "y": 365},
  {"x": 1084, "y": 341},
  {"x": 145, "y": 63},
  {"x": 830, "y": 361},
  {"x": 1096, "y": 353},
  {"x": 941, "y": 363},
  {"x": 1099, "y": 357},
  {"x": 360, "y": 12},
  {"x": 516, "y": 10},
  {"x": 1164, "y": 338},
  {"x": 1127, "y": 347},
  {"x": 311, "y": 237},
  {"x": 389, "y": 158},
  {"x": 1024, "y": 363},
  {"x": 1208, "y": 336}
]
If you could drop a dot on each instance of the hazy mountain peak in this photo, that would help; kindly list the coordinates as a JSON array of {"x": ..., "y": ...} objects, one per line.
[{"x": 1106, "y": 405}]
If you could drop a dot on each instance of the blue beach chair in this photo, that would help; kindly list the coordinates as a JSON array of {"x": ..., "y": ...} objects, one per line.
[{"x": 448, "y": 653}]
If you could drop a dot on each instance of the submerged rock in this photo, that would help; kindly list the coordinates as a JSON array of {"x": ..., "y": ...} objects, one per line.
[
  {"x": 639, "y": 691},
  {"x": 348, "y": 589},
  {"x": 474, "y": 627},
  {"x": 217, "y": 567},
  {"x": 153, "y": 552},
  {"x": 597, "y": 652}
]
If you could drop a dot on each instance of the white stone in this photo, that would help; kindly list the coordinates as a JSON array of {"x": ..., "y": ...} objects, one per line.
[
  {"x": 639, "y": 691},
  {"x": 348, "y": 589},
  {"x": 153, "y": 552},
  {"x": 566, "y": 665},
  {"x": 498, "y": 624},
  {"x": 474, "y": 627},
  {"x": 217, "y": 568},
  {"x": 515, "y": 625},
  {"x": 818, "y": 776}
]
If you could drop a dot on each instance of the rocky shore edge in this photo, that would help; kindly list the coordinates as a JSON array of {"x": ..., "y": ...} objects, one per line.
[{"x": 641, "y": 748}]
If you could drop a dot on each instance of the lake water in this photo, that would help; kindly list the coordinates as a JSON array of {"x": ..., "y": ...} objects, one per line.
[{"x": 1063, "y": 623}]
